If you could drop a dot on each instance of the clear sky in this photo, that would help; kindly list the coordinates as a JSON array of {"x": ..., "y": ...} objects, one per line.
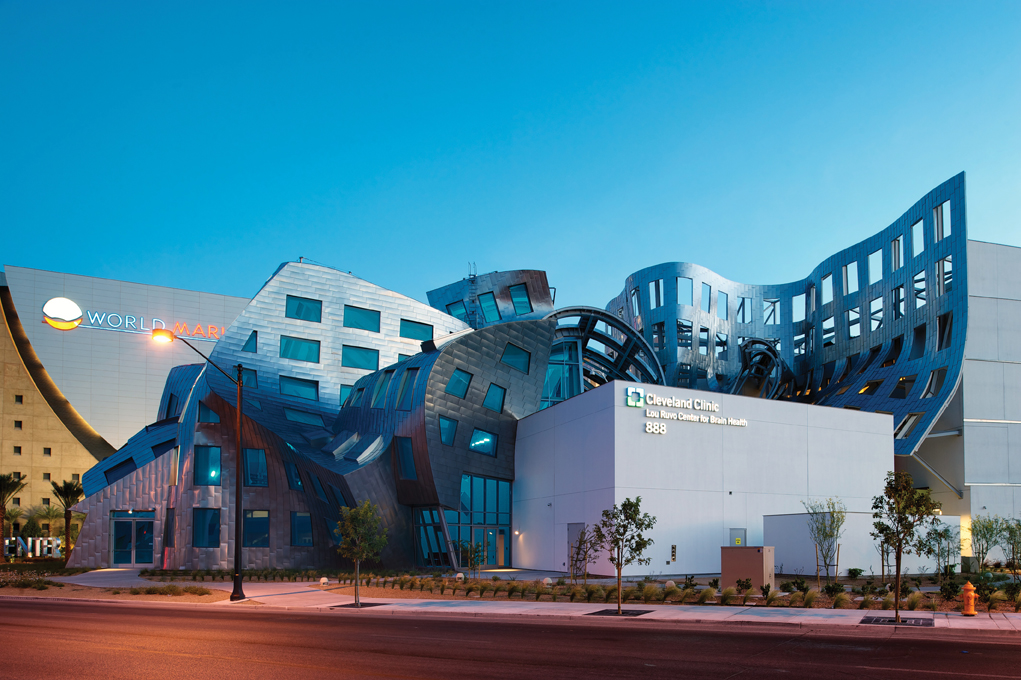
[{"x": 198, "y": 145}]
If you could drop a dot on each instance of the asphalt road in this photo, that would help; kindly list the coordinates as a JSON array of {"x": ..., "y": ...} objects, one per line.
[{"x": 42, "y": 639}]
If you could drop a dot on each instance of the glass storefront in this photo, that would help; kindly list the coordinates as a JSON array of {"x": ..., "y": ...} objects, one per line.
[
  {"x": 132, "y": 537},
  {"x": 484, "y": 517}
]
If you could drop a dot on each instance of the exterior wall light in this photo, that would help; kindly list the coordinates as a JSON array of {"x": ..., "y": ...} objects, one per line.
[{"x": 162, "y": 335}]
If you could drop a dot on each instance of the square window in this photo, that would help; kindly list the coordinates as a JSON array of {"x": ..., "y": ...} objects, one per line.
[
  {"x": 416, "y": 331},
  {"x": 483, "y": 442},
  {"x": 458, "y": 384},
  {"x": 448, "y": 428},
  {"x": 519, "y": 297},
  {"x": 656, "y": 293},
  {"x": 301, "y": 529},
  {"x": 494, "y": 398},
  {"x": 207, "y": 415},
  {"x": 256, "y": 529},
  {"x": 707, "y": 292},
  {"x": 684, "y": 291},
  {"x": 360, "y": 357},
  {"x": 405, "y": 458},
  {"x": 515, "y": 357},
  {"x": 46, "y": 476},
  {"x": 299, "y": 349},
  {"x": 252, "y": 343},
  {"x": 490, "y": 312},
  {"x": 304, "y": 309},
  {"x": 363, "y": 319},
  {"x": 293, "y": 478},
  {"x": 256, "y": 473},
  {"x": 207, "y": 466},
  {"x": 458, "y": 311},
  {"x": 205, "y": 528},
  {"x": 17, "y": 425},
  {"x": 76, "y": 478},
  {"x": 16, "y": 502},
  {"x": 19, "y": 399},
  {"x": 875, "y": 267},
  {"x": 298, "y": 387},
  {"x": 47, "y": 451},
  {"x": 17, "y": 450},
  {"x": 379, "y": 392}
]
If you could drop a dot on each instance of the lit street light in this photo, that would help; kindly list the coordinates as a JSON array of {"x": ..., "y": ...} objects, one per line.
[{"x": 162, "y": 335}]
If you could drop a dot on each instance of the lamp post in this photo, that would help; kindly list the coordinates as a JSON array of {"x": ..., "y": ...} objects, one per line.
[{"x": 162, "y": 335}]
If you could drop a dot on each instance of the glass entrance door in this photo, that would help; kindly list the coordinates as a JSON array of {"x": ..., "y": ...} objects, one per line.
[{"x": 132, "y": 535}]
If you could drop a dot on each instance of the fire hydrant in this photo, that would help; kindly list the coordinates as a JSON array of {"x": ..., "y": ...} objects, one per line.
[{"x": 969, "y": 598}]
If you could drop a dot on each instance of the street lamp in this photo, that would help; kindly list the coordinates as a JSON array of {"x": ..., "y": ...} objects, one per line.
[{"x": 162, "y": 335}]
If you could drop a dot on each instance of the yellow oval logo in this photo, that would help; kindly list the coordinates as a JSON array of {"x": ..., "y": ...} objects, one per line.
[{"x": 62, "y": 314}]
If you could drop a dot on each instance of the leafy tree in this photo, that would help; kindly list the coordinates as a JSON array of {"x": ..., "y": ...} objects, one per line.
[
  {"x": 986, "y": 532},
  {"x": 900, "y": 515},
  {"x": 826, "y": 526},
  {"x": 472, "y": 555},
  {"x": 67, "y": 494},
  {"x": 944, "y": 544},
  {"x": 582, "y": 552},
  {"x": 362, "y": 537},
  {"x": 9, "y": 488},
  {"x": 1010, "y": 542},
  {"x": 619, "y": 534},
  {"x": 31, "y": 529}
]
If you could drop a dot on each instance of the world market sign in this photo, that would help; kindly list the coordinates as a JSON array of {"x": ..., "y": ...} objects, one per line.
[
  {"x": 65, "y": 315},
  {"x": 636, "y": 397}
]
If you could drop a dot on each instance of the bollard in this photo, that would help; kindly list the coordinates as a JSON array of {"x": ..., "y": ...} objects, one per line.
[{"x": 969, "y": 598}]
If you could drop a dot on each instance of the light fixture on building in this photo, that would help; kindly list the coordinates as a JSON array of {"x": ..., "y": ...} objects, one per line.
[{"x": 162, "y": 335}]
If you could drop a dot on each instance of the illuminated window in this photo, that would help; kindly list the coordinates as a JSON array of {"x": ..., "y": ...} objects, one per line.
[
  {"x": 304, "y": 309},
  {"x": 207, "y": 466},
  {"x": 483, "y": 442},
  {"x": 903, "y": 387},
  {"x": 871, "y": 387}
]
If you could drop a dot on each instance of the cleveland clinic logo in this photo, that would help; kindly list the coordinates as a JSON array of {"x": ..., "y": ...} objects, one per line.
[{"x": 635, "y": 397}]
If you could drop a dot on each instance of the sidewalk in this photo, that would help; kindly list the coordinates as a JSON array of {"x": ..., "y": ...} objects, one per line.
[{"x": 300, "y": 596}]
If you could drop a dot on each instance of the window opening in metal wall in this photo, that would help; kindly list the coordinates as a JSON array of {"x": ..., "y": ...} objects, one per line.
[
  {"x": 304, "y": 309},
  {"x": 636, "y": 306},
  {"x": 722, "y": 304},
  {"x": 685, "y": 292},
  {"x": 875, "y": 267},
  {"x": 903, "y": 387},
  {"x": 917, "y": 343},
  {"x": 721, "y": 346},
  {"x": 917, "y": 238},
  {"x": 918, "y": 283},
  {"x": 944, "y": 329},
  {"x": 703, "y": 341},
  {"x": 744, "y": 310},
  {"x": 799, "y": 344},
  {"x": 850, "y": 278},
  {"x": 945, "y": 276},
  {"x": 658, "y": 331},
  {"x": 655, "y": 293},
  {"x": 941, "y": 218},
  {"x": 898, "y": 302},
  {"x": 519, "y": 298},
  {"x": 876, "y": 314},
  {"x": 252, "y": 343},
  {"x": 935, "y": 383},
  {"x": 873, "y": 353},
  {"x": 853, "y": 323},
  {"x": 894, "y": 353},
  {"x": 458, "y": 311},
  {"x": 490, "y": 310},
  {"x": 798, "y": 308},
  {"x": 771, "y": 311},
  {"x": 379, "y": 394},
  {"x": 871, "y": 387},
  {"x": 706, "y": 301},
  {"x": 827, "y": 289},
  {"x": 896, "y": 253},
  {"x": 829, "y": 332},
  {"x": 907, "y": 426}
]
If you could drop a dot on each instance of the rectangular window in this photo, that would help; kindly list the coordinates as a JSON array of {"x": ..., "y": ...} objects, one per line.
[
  {"x": 919, "y": 286},
  {"x": 255, "y": 468},
  {"x": 301, "y": 529},
  {"x": 483, "y": 442},
  {"x": 76, "y": 478},
  {"x": 944, "y": 275},
  {"x": 415, "y": 330},
  {"x": 19, "y": 399},
  {"x": 703, "y": 341},
  {"x": 298, "y": 387},
  {"x": 896, "y": 253},
  {"x": 356, "y": 400},
  {"x": 683, "y": 334},
  {"x": 655, "y": 293},
  {"x": 684, "y": 291},
  {"x": 850, "y": 278},
  {"x": 917, "y": 343},
  {"x": 46, "y": 476},
  {"x": 810, "y": 300},
  {"x": 771, "y": 311},
  {"x": 853, "y": 323},
  {"x": 458, "y": 311},
  {"x": 494, "y": 398},
  {"x": 490, "y": 312},
  {"x": 876, "y": 314},
  {"x": 898, "y": 302},
  {"x": 875, "y": 267},
  {"x": 907, "y": 426},
  {"x": 636, "y": 304},
  {"x": 304, "y": 309},
  {"x": 519, "y": 298},
  {"x": 303, "y": 417},
  {"x": 707, "y": 292},
  {"x": 359, "y": 357},
  {"x": 917, "y": 238},
  {"x": 345, "y": 393},
  {"x": 293, "y": 478},
  {"x": 799, "y": 344},
  {"x": 250, "y": 379},
  {"x": 121, "y": 470},
  {"x": 405, "y": 458},
  {"x": 458, "y": 383},
  {"x": 379, "y": 392},
  {"x": 205, "y": 528},
  {"x": 406, "y": 393},
  {"x": 798, "y": 308},
  {"x": 252, "y": 343},
  {"x": 256, "y": 529},
  {"x": 515, "y": 357},
  {"x": 935, "y": 383},
  {"x": 207, "y": 466},
  {"x": 658, "y": 341},
  {"x": 299, "y": 349},
  {"x": 169, "y": 528},
  {"x": 941, "y": 218},
  {"x": 17, "y": 450},
  {"x": 361, "y": 318},
  {"x": 944, "y": 328},
  {"x": 17, "y": 425},
  {"x": 827, "y": 289},
  {"x": 318, "y": 487},
  {"x": 448, "y": 428},
  {"x": 207, "y": 415},
  {"x": 722, "y": 304},
  {"x": 903, "y": 387},
  {"x": 721, "y": 346},
  {"x": 47, "y": 451},
  {"x": 829, "y": 332},
  {"x": 744, "y": 310}
]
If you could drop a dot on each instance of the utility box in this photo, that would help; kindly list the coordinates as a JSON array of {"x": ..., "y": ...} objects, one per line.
[{"x": 755, "y": 563}]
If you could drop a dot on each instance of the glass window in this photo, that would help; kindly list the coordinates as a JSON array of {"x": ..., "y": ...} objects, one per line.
[
  {"x": 850, "y": 278},
  {"x": 254, "y": 403},
  {"x": 448, "y": 428},
  {"x": 494, "y": 398},
  {"x": 338, "y": 496},
  {"x": 379, "y": 393},
  {"x": 458, "y": 311},
  {"x": 318, "y": 486},
  {"x": 169, "y": 528},
  {"x": 944, "y": 276},
  {"x": 810, "y": 300},
  {"x": 205, "y": 528},
  {"x": 944, "y": 329},
  {"x": 896, "y": 253},
  {"x": 405, "y": 458},
  {"x": 252, "y": 343},
  {"x": 875, "y": 267},
  {"x": 771, "y": 311},
  {"x": 407, "y": 390},
  {"x": 655, "y": 293},
  {"x": 255, "y": 468},
  {"x": 207, "y": 466},
  {"x": 684, "y": 291},
  {"x": 301, "y": 529},
  {"x": 360, "y": 357},
  {"x": 364, "y": 319},
  {"x": 658, "y": 332},
  {"x": 876, "y": 314},
  {"x": 707, "y": 291},
  {"x": 871, "y": 387},
  {"x": 935, "y": 383},
  {"x": 303, "y": 417},
  {"x": 297, "y": 387},
  {"x": 304, "y": 309},
  {"x": 459, "y": 382},
  {"x": 256, "y": 529},
  {"x": 918, "y": 238},
  {"x": 293, "y": 478},
  {"x": 515, "y": 357},
  {"x": 403, "y": 357},
  {"x": 798, "y": 308},
  {"x": 299, "y": 349},
  {"x": 636, "y": 303},
  {"x": 903, "y": 387},
  {"x": 345, "y": 393},
  {"x": 744, "y": 310},
  {"x": 207, "y": 415},
  {"x": 250, "y": 378},
  {"x": 490, "y": 312},
  {"x": 415, "y": 330},
  {"x": 519, "y": 296},
  {"x": 853, "y": 323},
  {"x": 721, "y": 305},
  {"x": 827, "y": 289},
  {"x": 907, "y": 426},
  {"x": 356, "y": 400},
  {"x": 941, "y": 217},
  {"x": 483, "y": 442},
  {"x": 121, "y": 470}
]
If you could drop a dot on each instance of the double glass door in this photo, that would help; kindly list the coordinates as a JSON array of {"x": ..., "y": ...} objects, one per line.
[
  {"x": 496, "y": 545},
  {"x": 132, "y": 535}
]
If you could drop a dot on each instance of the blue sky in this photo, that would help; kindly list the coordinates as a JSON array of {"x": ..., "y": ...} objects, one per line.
[{"x": 198, "y": 145}]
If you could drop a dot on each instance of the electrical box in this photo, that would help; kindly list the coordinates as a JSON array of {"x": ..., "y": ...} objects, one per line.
[{"x": 754, "y": 563}]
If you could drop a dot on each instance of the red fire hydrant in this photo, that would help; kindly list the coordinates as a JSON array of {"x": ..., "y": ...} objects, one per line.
[{"x": 969, "y": 598}]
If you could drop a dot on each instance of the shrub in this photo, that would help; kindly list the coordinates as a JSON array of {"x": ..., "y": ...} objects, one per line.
[
  {"x": 539, "y": 589},
  {"x": 561, "y": 581},
  {"x": 685, "y": 595},
  {"x": 933, "y": 604},
  {"x": 513, "y": 588},
  {"x": 996, "y": 598},
  {"x": 651, "y": 593},
  {"x": 135, "y": 591},
  {"x": 810, "y": 597},
  {"x": 497, "y": 589},
  {"x": 854, "y": 573},
  {"x": 671, "y": 592},
  {"x": 770, "y": 597},
  {"x": 631, "y": 593},
  {"x": 197, "y": 590},
  {"x": 1017, "y": 603},
  {"x": 744, "y": 584},
  {"x": 795, "y": 599},
  {"x": 840, "y": 600},
  {"x": 833, "y": 589},
  {"x": 949, "y": 590},
  {"x": 914, "y": 599},
  {"x": 887, "y": 602},
  {"x": 787, "y": 587},
  {"x": 496, "y": 578},
  {"x": 714, "y": 583},
  {"x": 765, "y": 588},
  {"x": 800, "y": 584},
  {"x": 592, "y": 592},
  {"x": 115, "y": 592},
  {"x": 727, "y": 595},
  {"x": 706, "y": 595},
  {"x": 610, "y": 594},
  {"x": 1012, "y": 590},
  {"x": 748, "y": 594},
  {"x": 866, "y": 601},
  {"x": 689, "y": 581}
]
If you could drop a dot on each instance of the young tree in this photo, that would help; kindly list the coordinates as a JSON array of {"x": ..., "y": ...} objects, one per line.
[
  {"x": 581, "y": 553},
  {"x": 361, "y": 537},
  {"x": 472, "y": 554},
  {"x": 9, "y": 488},
  {"x": 944, "y": 544},
  {"x": 619, "y": 533},
  {"x": 1010, "y": 542},
  {"x": 826, "y": 526},
  {"x": 986, "y": 532},
  {"x": 67, "y": 494},
  {"x": 900, "y": 515}
]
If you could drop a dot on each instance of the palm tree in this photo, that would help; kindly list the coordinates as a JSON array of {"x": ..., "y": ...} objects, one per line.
[
  {"x": 9, "y": 488},
  {"x": 12, "y": 516},
  {"x": 67, "y": 494},
  {"x": 49, "y": 514}
]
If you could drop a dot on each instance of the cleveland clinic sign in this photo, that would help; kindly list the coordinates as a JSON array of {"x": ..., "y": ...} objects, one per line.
[{"x": 705, "y": 410}]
